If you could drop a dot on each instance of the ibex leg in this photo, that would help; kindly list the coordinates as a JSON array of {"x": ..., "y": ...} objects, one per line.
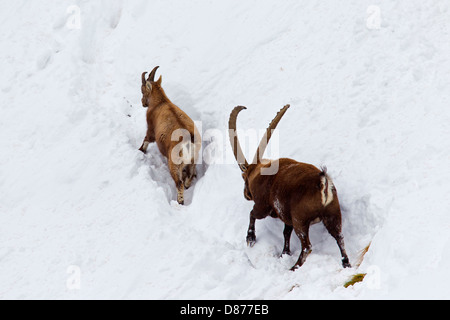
[
  {"x": 287, "y": 239},
  {"x": 258, "y": 212},
  {"x": 303, "y": 234}
]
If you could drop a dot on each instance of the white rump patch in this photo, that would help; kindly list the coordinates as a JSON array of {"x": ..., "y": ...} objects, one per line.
[
  {"x": 187, "y": 153},
  {"x": 327, "y": 190}
]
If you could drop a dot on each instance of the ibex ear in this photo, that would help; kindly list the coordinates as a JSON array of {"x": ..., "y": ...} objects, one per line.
[
  {"x": 159, "y": 80},
  {"x": 148, "y": 85}
]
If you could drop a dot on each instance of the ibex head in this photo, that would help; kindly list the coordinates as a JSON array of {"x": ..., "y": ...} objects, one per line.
[
  {"x": 245, "y": 167},
  {"x": 148, "y": 85}
]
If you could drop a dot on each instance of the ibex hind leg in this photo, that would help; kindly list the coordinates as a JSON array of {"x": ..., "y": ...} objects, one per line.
[
  {"x": 175, "y": 172},
  {"x": 333, "y": 225},
  {"x": 303, "y": 234},
  {"x": 180, "y": 194},
  {"x": 251, "y": 236}
]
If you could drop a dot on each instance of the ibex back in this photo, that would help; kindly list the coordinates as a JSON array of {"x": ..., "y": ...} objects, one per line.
[{"x": 173, "y": 131}]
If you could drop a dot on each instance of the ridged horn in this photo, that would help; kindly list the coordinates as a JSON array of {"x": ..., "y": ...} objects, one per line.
[
  {"x": 151, "y": 77},
  {"x": 234, "y": 140},
  {"x": 265, "y": 140},
  {"x": 143, "y": 78}
]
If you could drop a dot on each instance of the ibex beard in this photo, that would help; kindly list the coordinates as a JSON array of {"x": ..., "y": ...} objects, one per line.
[{"x": 297, "y": 193}]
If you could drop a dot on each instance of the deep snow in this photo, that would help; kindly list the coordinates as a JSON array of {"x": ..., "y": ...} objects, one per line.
[{"x": 85, "y": 215}]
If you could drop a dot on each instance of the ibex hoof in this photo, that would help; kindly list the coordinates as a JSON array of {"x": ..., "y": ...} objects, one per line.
[
  {"x": 286, "y": 252},
  {"x": 295, "y": 267},
  {"x": 346, "y": 263},
  {"x": 251, "y": 240},
  {"x": 144, "y": 147}
]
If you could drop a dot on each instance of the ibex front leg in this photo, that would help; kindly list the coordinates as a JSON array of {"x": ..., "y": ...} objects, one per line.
[
  {"x": 258, "y": 212},
  {"x": 149, "y": 138}
]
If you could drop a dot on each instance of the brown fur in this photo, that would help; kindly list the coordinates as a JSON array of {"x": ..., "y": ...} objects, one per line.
[
  {"x": 163, "y": 118},
  {"x": 298, "y": 194}
]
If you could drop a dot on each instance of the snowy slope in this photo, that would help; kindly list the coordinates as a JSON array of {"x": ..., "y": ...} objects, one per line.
[{"x": 370, "y": 99}]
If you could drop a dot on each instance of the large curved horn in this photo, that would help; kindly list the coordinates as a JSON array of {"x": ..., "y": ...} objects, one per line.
[
  {"x": 143, "y": 78},
  {"x": 265, "y": 140},
  {"x": 151, "y": 77},
  {"x": 234, "y": 140}
]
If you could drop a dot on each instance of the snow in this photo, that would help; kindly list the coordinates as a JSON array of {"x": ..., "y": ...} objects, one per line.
[{"x": 85, "y": 215}]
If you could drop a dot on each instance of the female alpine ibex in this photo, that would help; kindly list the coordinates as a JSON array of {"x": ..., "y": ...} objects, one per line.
[
  {"x": 173, "y": 131},
  {"x": 298, "y": 193}
]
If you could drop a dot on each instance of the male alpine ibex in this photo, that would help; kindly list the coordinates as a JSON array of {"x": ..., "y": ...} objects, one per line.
[
  {"x": 298, "y": 193},
  {"x": 173, "y": 131}
]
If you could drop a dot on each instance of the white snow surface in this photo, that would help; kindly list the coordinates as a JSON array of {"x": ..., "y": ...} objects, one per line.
[{"x": 369, "y": 98}]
